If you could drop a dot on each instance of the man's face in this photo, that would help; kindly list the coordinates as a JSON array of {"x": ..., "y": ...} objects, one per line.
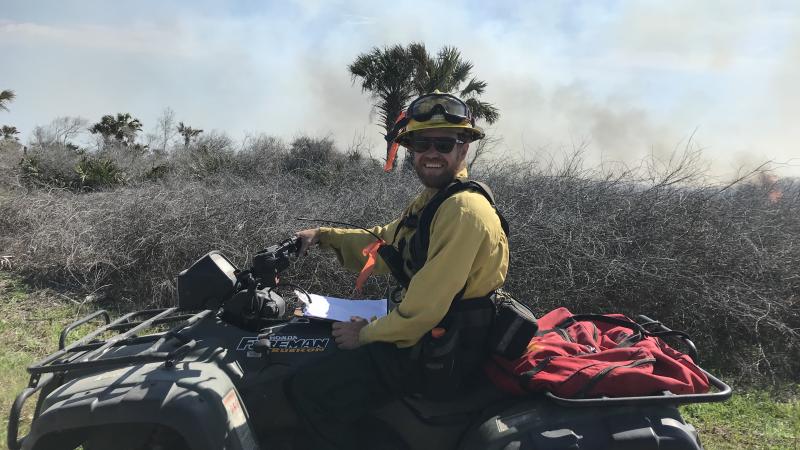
[{"x": 435, "y": 169}]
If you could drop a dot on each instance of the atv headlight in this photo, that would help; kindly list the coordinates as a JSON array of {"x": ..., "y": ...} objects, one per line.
[{"x": 207, "y": 283}]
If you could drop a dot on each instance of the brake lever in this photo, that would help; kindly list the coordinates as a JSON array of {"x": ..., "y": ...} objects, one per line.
[{"x": 294, "y": 247}]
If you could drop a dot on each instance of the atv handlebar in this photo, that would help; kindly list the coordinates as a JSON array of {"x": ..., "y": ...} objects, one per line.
[
  {"x": 269, "y": 262},
  {"x": 288, "y": 246}
]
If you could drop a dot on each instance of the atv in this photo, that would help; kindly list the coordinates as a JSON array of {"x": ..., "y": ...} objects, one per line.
[{"x": 209, "y": 374}]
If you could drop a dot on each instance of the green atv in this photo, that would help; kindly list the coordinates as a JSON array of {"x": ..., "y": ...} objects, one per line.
[{"x": 212, "y": 378}]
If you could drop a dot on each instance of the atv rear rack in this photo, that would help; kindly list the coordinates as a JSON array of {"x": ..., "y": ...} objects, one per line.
[{"x": 666, "y": 398}]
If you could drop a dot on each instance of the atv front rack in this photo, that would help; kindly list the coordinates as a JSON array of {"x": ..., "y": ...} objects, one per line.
[
  {"x": 83, "y": 353},
  {"x": 723, "y": 391},
  {"x": 69, "y": 358}
]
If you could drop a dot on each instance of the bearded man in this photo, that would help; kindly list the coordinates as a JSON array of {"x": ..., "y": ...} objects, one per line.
[{"x": 450, "y": 250}]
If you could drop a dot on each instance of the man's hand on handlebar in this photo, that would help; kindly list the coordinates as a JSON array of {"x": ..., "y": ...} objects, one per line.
[{"x": 308, "y": 238}]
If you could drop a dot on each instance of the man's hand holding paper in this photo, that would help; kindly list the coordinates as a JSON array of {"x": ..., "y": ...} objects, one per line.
[{"x": 346, "y": 333}]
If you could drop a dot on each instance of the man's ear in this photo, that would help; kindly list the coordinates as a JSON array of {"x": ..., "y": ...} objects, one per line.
[{"x": 464, "y": 150}]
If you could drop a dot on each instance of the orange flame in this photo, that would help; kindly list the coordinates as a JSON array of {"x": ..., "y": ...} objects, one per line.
[{"x": 770, "y": 182}]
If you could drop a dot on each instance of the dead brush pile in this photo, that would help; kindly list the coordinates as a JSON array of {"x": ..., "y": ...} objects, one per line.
[{"x": 721, "y": 262}]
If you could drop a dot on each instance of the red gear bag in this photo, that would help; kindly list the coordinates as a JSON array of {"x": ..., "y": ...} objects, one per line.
[{"x": 579, "y": 356}]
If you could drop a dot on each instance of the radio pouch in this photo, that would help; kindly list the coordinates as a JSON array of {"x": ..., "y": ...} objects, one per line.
[
  {"x": 513, "y": 328},
  {"x": 442, "y": 370}
]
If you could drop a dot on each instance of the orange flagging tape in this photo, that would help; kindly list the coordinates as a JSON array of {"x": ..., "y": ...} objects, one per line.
[
  {"x": 371, "y": 252},
  {"x": 391, "y": 157},
  {"x": 392, "y": 147}
]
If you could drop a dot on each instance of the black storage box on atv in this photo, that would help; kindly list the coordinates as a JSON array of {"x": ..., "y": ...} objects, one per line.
[{"x": 214, "y": 380}]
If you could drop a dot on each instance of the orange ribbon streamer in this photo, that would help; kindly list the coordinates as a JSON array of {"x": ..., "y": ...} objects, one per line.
[
  {"x": 392, "y": 147},
  {"x": 371, "y": 252},
  {"x": 390, "y": 159}
]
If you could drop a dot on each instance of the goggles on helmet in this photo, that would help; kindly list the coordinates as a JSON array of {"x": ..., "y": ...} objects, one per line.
[{"x": 451, "y": 107}]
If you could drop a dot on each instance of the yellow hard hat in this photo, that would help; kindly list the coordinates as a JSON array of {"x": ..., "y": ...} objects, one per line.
[{"x": 435, "y": 110}]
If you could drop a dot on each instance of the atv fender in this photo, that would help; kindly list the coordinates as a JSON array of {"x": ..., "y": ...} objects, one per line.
[{"x": 196, "y": 400}]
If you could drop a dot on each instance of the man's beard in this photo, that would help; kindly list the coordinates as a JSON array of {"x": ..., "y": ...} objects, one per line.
[{"x": 436, "y": 181}]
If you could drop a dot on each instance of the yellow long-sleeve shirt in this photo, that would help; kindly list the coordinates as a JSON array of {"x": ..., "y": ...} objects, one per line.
[{"x": 467, "y": 247}]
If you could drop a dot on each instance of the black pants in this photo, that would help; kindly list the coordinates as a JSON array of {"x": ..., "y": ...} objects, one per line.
[{"x": 331, "y": 395}]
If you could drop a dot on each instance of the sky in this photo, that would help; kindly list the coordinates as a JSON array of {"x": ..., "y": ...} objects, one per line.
[{"x": 621, "y": 79}]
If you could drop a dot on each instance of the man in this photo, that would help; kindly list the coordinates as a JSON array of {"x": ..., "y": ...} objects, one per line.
[{"x": 463, "y": 262}]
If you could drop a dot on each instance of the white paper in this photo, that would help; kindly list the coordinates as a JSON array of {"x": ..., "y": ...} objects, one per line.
[{"x": 341, "y": 309}]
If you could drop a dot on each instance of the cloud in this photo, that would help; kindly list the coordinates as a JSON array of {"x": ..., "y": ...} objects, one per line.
[
  {"x": 630, "y": 78},
  {"x": 353, "y": 19},
  {"x": 138, "y": 39}
]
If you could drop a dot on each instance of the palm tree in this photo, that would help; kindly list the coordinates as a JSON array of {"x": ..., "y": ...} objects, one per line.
[
  {"x": 395, "y": 75},
  {"x": 387, "y": 74},
  {"x": 6, "y": 96},
  {"x": 122, "y": 128},
  {"x": 188, "y": 133},
  {"x": 9, "y": 133}
]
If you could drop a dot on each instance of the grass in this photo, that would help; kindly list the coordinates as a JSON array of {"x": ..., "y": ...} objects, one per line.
[
  {"x": 30, "y": 322},
  {"x": 752, "y": 419}
]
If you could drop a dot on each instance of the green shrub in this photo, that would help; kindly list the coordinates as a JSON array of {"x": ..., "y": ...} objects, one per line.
[
  {"x": 206, "y": 155},
  {"x": 51, "y": 167},
  {"x": 312, "y": 158},
  {"x": 259, "y": 156},
  {"x": 158, "y": 172},
  {"x": 98, "y": 172}
]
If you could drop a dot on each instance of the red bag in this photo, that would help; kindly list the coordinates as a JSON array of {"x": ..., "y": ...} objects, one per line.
[{"x": 590, "y": 356}]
